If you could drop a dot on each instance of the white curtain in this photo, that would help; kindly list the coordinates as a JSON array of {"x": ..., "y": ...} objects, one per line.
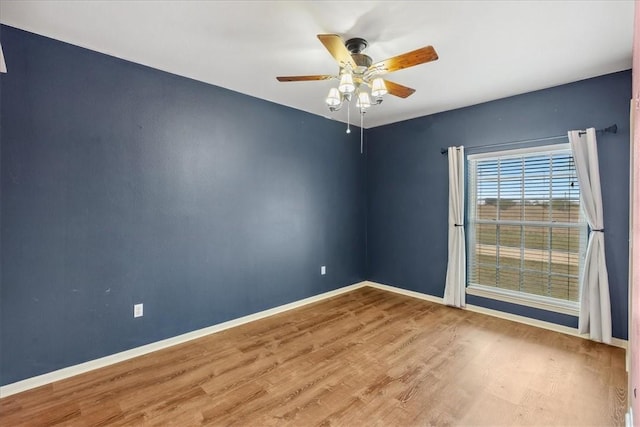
[
  {"x": 454, "y": 289},
  {"x": 3, "y": 65},
  {"x": 595, "y": 306}
]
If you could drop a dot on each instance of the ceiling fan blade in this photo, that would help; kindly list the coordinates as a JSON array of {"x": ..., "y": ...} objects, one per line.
[
  {"x": 398, "y": 90},
  {"x": 304, "y": 78},
  {"x": 337, "y": 49},
  {"x": 406, "y": 60}
]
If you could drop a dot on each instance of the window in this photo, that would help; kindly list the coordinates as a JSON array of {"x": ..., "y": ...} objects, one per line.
[{"x": 527, "y": 234}]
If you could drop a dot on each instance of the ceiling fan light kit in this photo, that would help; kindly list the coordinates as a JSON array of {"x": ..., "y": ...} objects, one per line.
[
  {"x": 355, "y": 76},
  {"x": 359, "y": 76}
]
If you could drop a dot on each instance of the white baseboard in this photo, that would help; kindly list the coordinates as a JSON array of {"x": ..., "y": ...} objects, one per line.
[
  {"x": 60, "y": 374},
  {"x": 616, "y": 342},
  {"x": 406, "y": 292}
]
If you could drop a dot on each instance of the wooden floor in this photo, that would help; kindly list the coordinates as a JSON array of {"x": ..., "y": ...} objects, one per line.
[{"x": 366, "y": 358}]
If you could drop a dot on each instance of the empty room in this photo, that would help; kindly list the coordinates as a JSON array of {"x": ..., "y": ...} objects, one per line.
[{"x": 336, "y": 213}]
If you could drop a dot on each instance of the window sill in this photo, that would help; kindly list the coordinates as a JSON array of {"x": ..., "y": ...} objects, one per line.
[{"x": 529, "y": 300}]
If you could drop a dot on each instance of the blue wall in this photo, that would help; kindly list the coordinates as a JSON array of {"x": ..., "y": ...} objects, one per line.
[
  {"x": 407, "y": 182},
  {"x": 123, "y": 184}
]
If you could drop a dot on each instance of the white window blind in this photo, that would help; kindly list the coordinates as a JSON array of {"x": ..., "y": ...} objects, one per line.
[{"x": 526, "y": 231}]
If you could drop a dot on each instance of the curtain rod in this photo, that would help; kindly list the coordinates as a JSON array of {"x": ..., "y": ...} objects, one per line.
[{"x": 611, "y": 129}]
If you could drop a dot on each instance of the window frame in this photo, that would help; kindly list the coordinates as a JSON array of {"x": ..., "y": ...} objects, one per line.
[{"x": 512, "y": 296}]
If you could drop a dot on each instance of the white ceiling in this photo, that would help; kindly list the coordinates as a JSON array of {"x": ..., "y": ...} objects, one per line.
[{"x": 488, "y": 49}]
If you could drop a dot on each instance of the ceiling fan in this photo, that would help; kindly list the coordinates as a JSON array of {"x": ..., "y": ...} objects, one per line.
[{"x": 358, "y": 72}]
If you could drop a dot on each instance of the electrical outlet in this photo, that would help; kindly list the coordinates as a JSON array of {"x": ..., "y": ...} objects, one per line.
[
  {"x": 323, "y": 270},
  {"x": 138, "y": 310}
]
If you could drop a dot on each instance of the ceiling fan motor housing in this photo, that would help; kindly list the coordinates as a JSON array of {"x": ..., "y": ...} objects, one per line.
[
  {"x": 355, "y": 46},
  {"x": 362, "y": 60}
]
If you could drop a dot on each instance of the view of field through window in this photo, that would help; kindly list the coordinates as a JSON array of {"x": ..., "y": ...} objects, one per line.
[{"x": 526, "y": 228}]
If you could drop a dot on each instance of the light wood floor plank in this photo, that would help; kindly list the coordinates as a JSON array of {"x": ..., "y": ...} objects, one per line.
[{"x": 366, "y": 358}]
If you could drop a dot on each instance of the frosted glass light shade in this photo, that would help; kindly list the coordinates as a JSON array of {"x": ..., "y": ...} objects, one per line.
[
  {"x": 346, "y": 83},
  {"x": 363, "y": 101},
  {"x": 333, "y": 98},
  {"x": 378, "y": 88}
]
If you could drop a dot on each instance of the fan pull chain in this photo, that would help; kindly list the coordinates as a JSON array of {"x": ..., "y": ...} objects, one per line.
[{"x": 348, "y": 118}]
